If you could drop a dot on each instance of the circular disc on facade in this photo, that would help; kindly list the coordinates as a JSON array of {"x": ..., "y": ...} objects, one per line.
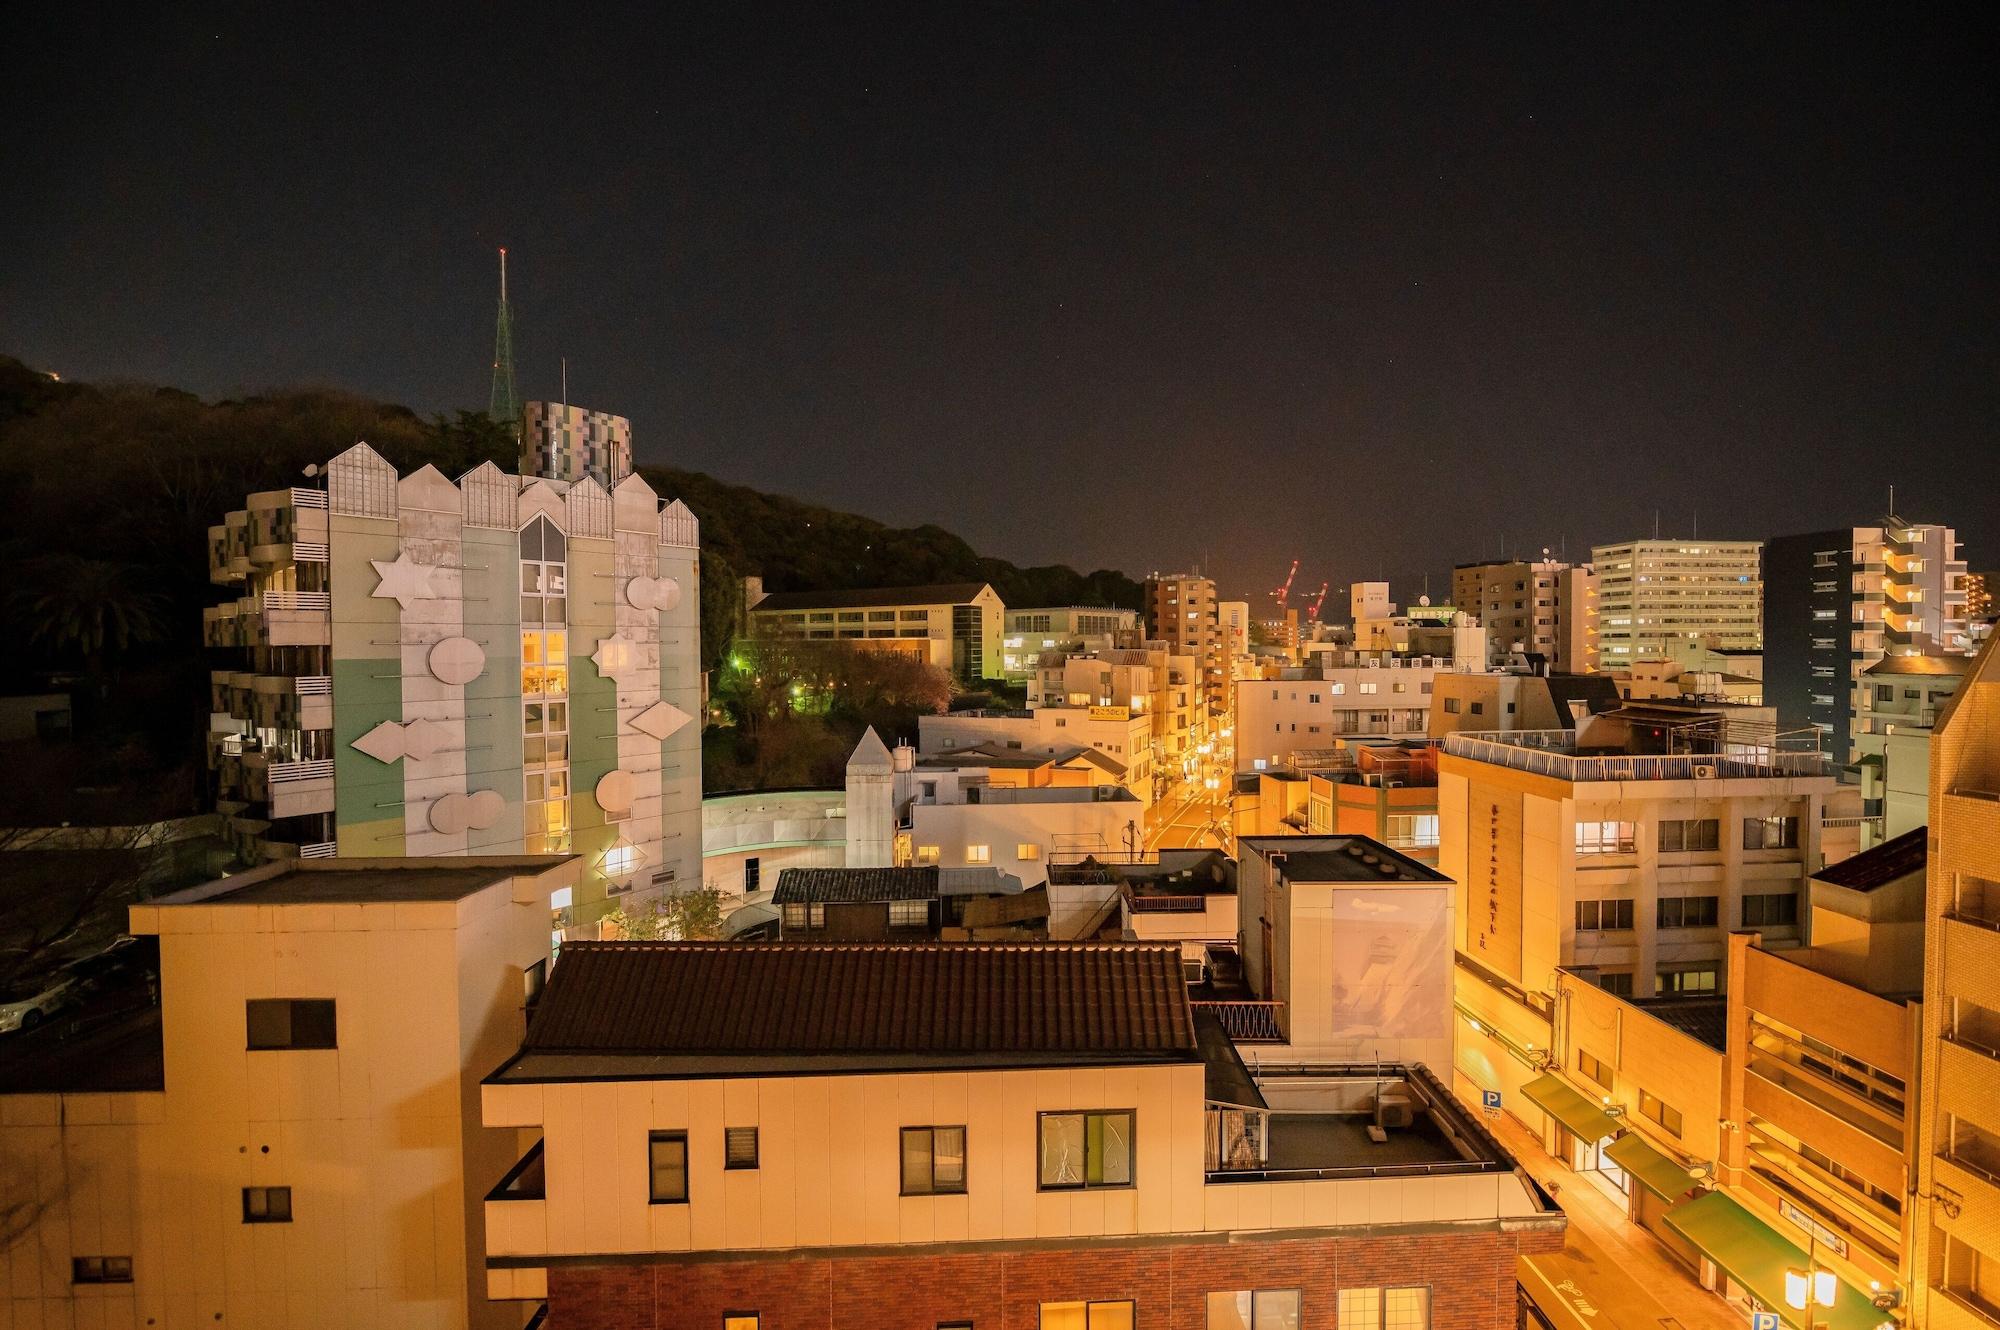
[
  {"x": 483, "y": 809},
  {"x": 449, "y": 814},
  {"x": 666, "y": 593},
  {"x": 457, "y": 660},
  {"x": 614, "y": 791}
]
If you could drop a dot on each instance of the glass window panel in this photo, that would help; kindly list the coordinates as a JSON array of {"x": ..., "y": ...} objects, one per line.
[
  {"x": 1406, "y": 1309},
  {"x": 531, "y": 648},
  {"x": 1065, "y": 1316},
  {"x": 1229, "y": 1311},
  {"x": 1117, "y": 1148},
  {"x": 1110, "y": 1316},
  {"x": 917, "y": 1178},
  {"x": 1277, "y": 1309},
  {"x": 558, "y": 647},
  {"x": 669, "y": 1165},
  {"x": 948, "y": 1157},
  {"x": 1360, "y": 1309},
  {"x": 531, "y": 609},
  {"x": 1062, "y": 1150},
  {"x": 532, "y": 750}
]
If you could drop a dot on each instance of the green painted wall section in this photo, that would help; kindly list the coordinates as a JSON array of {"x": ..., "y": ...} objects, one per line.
[
  {"x": 493, "y": 700},
  {"x": 593, "y": 716},
  {"x": 367, "y": 687}
]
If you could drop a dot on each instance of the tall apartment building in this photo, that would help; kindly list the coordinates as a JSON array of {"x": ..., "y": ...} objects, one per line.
[
  {"x": 1956, "y": 1221},
  {"x": 500, "y": 665},
  {"x": 1545, "y": 607},
  {"x": 1835, "y": 602},
  {"x": 956, "y": 626},
  {"x": 290, "y": 1135},
  {"x": 1309, "y": 708},
  {"x": 1098, "y": 1159},
  {"x": 1610, "y": 847},
  {"x": 1154, "y": 680},
  {"x": 1652, "y": 593},
  {"x": 1182, "y": 611},
  {"x": 1234, "y": 616}
]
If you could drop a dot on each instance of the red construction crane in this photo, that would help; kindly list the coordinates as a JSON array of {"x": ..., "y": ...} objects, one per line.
[
  {"x": 1283, "y": 593},
  {"x": 1312, "y": 611}
]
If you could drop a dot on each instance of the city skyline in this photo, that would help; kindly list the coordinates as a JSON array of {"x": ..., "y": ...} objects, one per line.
[{"x": 1478, "y": 270}]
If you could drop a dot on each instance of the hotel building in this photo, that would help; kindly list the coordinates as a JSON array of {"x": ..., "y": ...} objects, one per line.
[{"x": 497, "y": 665}]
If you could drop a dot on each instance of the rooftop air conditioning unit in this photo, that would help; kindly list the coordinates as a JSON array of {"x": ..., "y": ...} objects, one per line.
[{"x": 1704, "y": 772}]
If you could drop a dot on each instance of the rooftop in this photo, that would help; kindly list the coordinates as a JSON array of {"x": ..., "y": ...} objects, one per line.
[
  {"x": 1340, "y": 859},
  {"x": 1703, "y": 1018},
  {"x": 665, "y": 1010},
  {"x": 851, "y": 886},
  {"x": 362, "y": 881},
  {"x": 1953, "y": 666},
  {"x": 1888, "y": 862},
  {"x": 943, "y": 593},
  {"x": 1555, "y": 753}
]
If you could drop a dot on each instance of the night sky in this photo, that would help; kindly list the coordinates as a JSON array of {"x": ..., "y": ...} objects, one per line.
[{"x": 1380, "y": 288}]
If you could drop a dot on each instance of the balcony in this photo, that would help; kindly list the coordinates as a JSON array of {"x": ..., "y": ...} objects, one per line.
[
  {"x": 292, "y": 702},
  {"x": 1552, "y": 753},
  {"x": 517, "y": 1209},
  {"x": 288, "y": 789}
]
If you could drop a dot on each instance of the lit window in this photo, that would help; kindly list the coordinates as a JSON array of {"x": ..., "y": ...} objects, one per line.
[
  {"x": 1027, "y": 850},
  {"x": 909, "y": 914},
  {"x": 1087, "y": 1316},
  {"x": 927, "y": 854},
  {"x": 979, "y": 854},
  {"x": 1254, "y": 1309}
]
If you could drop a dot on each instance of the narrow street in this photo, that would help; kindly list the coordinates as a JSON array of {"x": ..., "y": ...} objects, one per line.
[
  {"x": 1199, "y": 820},
  {"x": 1598, "y": 1227}
]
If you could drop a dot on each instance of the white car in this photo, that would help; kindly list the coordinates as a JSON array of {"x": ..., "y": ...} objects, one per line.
[{"x": 29, "y": 1005}]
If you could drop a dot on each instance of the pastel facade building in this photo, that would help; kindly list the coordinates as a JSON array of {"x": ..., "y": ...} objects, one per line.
[
  {"x": 503, "y": 664},
  {"x": 1898, "y": 704},
  {"x": 1183, "y": 611},
  {"x": 290, "y": 1138},
  {"x": 1651, "y": 593},
  {"x": 1099, "y": 1158},
  {"x": 1309, "y": 708},
  {"x": 567, "y": 443},
  {"x": 1084, "y": 740},
  {"x": 1543, "y": 607},
  {"x": 1068, "y": 629}
]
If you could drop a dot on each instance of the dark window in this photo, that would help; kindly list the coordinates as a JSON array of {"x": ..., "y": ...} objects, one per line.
[
  {"x": 1770, "y": 833},
  {"x": 289, "y": 1023},
  {"x": 1603, "y": 916},
  {"x": 1086, "y": 1149},
  {"x": 100, "y": 1269},
  {"x": 1617, "y": 982},
  {"x": 1593, "y": 1068},
  {"x": 1701, "y": 833},
  {"x": 667, "y": 1159},
  {"x": 1653, "y": 1108},
  {"x": 739, "y": 1147},
  {"x": 267, "y": 1205},
  {"x": 1254, "y": 1309},
  {"x": 533, "y": 980},
  {"x": 933, "y": 1160},
  {"x": 1687, "y": 911},
  {"x": 1451, "y": 706},
  {"x": 1777, "y": 909},
  {"x": 1478, "y": 708},
  {"x": 753, "y": 873}
]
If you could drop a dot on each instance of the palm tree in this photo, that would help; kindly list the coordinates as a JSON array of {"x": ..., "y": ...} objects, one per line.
[{"x": 83, "y": 608}]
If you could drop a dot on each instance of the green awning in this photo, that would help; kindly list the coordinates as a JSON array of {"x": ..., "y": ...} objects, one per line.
[
  {"x": 1756, "y": 1256},
  {"x": 1643, "y": 1162},
  {"x": 1554, "y": 1097}
]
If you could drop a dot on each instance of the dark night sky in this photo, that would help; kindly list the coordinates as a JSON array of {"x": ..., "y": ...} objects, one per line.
[{"x": 1124, "y": 285}]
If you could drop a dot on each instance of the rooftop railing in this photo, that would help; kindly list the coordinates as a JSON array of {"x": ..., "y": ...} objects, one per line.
[{"x": 1552, "y": 753}]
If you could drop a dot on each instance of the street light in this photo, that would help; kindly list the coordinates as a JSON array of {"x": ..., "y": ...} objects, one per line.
[{"x": 1811, "y": 1287}]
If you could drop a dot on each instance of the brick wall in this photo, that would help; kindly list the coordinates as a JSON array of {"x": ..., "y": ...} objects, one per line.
[{"x": 1471, "y": 1276}]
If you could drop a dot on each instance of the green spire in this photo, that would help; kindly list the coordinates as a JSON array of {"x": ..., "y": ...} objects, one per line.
[{"x": 505, "y": 403}]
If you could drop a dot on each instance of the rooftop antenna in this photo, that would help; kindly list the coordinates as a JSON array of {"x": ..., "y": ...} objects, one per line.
[
  {"x": 565, "y": 380},
  {"x": 1656, "y": 524},
  {"x": 504, "y": 402},
  {"x": 1697, "y": 522}
]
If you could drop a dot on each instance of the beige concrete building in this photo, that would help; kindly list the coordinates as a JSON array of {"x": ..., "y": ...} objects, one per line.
[
  {"x": 1306, "y": 709},
  {"x": 1544, "y": 607},
  {"x": 956, "y": 626},
  {"x": 748, "y": 838},
  {"x": 1114, "y": 738},
  {"x": 1152, "y": 679},
  {"x": 1068, "y": 629},
  {"x": 291, "y": 1137},
  {"x": 1651, "y": 593},
  {"x": 1955, "y": 1224},
  {"x": 1900, "y": 699},
  {"x": 1100, "y": 1158}
]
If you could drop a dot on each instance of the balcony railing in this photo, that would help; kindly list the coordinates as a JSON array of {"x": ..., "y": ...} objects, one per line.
[
  {"x": 284, "y": 773},
  {"x": 1169, "y": 904},
  {"x": 308, "y": 498},
  {"x": 1550, "y": 753},
  {"x": 298, "y": 600},
  {"x": 318, "y": 850},
  {"x": 1247, "y": 1022}
]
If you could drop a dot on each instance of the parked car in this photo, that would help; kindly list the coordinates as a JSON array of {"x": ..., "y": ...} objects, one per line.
[{"x": 28, "y": 1005}]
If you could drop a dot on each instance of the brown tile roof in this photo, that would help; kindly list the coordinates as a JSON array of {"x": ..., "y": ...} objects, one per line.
[
  {"x": 742, "y": 1008},
  {"x": 1894, "y": 858},
  {"x": 851, "y": 886}
]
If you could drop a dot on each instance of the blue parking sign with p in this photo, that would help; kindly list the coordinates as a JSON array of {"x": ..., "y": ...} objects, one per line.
[
  {"x": 1491, "y": 1099},
  {"x": 1764, "y": 1321}
]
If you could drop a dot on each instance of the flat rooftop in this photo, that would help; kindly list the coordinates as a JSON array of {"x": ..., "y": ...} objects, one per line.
[
  {"x": 362, "y": 881},
  {"x": 1555, "y": 753},
  {"x": 1340, "y": 859}
]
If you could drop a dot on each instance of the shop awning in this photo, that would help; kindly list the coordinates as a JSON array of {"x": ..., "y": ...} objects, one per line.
[
  {"x": 1756, "y": 1256},
  {"x": 1657, "y": 1171},
  {"x": 1554, "y": 1097}
]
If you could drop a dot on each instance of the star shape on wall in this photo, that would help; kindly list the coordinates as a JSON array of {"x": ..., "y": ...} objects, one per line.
[
  {"x": 615, "y": 655},
  {"x": 403, "y": 580}
]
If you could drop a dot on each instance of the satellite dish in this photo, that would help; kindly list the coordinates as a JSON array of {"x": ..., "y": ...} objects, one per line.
[
  {"x": 312, "y": 469},
  {"x": 1423, "y": 600}
]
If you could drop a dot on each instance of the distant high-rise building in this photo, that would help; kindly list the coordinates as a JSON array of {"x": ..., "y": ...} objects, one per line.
[
  {"x": 1182, "y": 611},
  {"x": 497, "y": 665},
  {"x": 1980, "y": 590},
  {"x": 1652, "y": 593},
  {"x": 1835, "y": 602},
  {"x": 567, "y": 443},
  {"x": 1546, "y": 608}
]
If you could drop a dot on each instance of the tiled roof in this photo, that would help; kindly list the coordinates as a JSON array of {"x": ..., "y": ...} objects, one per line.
[
  {"x": 883, "y": 1004},
  {"x": 853, "y": 886},
  {"x": 1703, "y": 1018},
  {"x": 947, "y": 593},
  {"x": 1894, "y": 858}
]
